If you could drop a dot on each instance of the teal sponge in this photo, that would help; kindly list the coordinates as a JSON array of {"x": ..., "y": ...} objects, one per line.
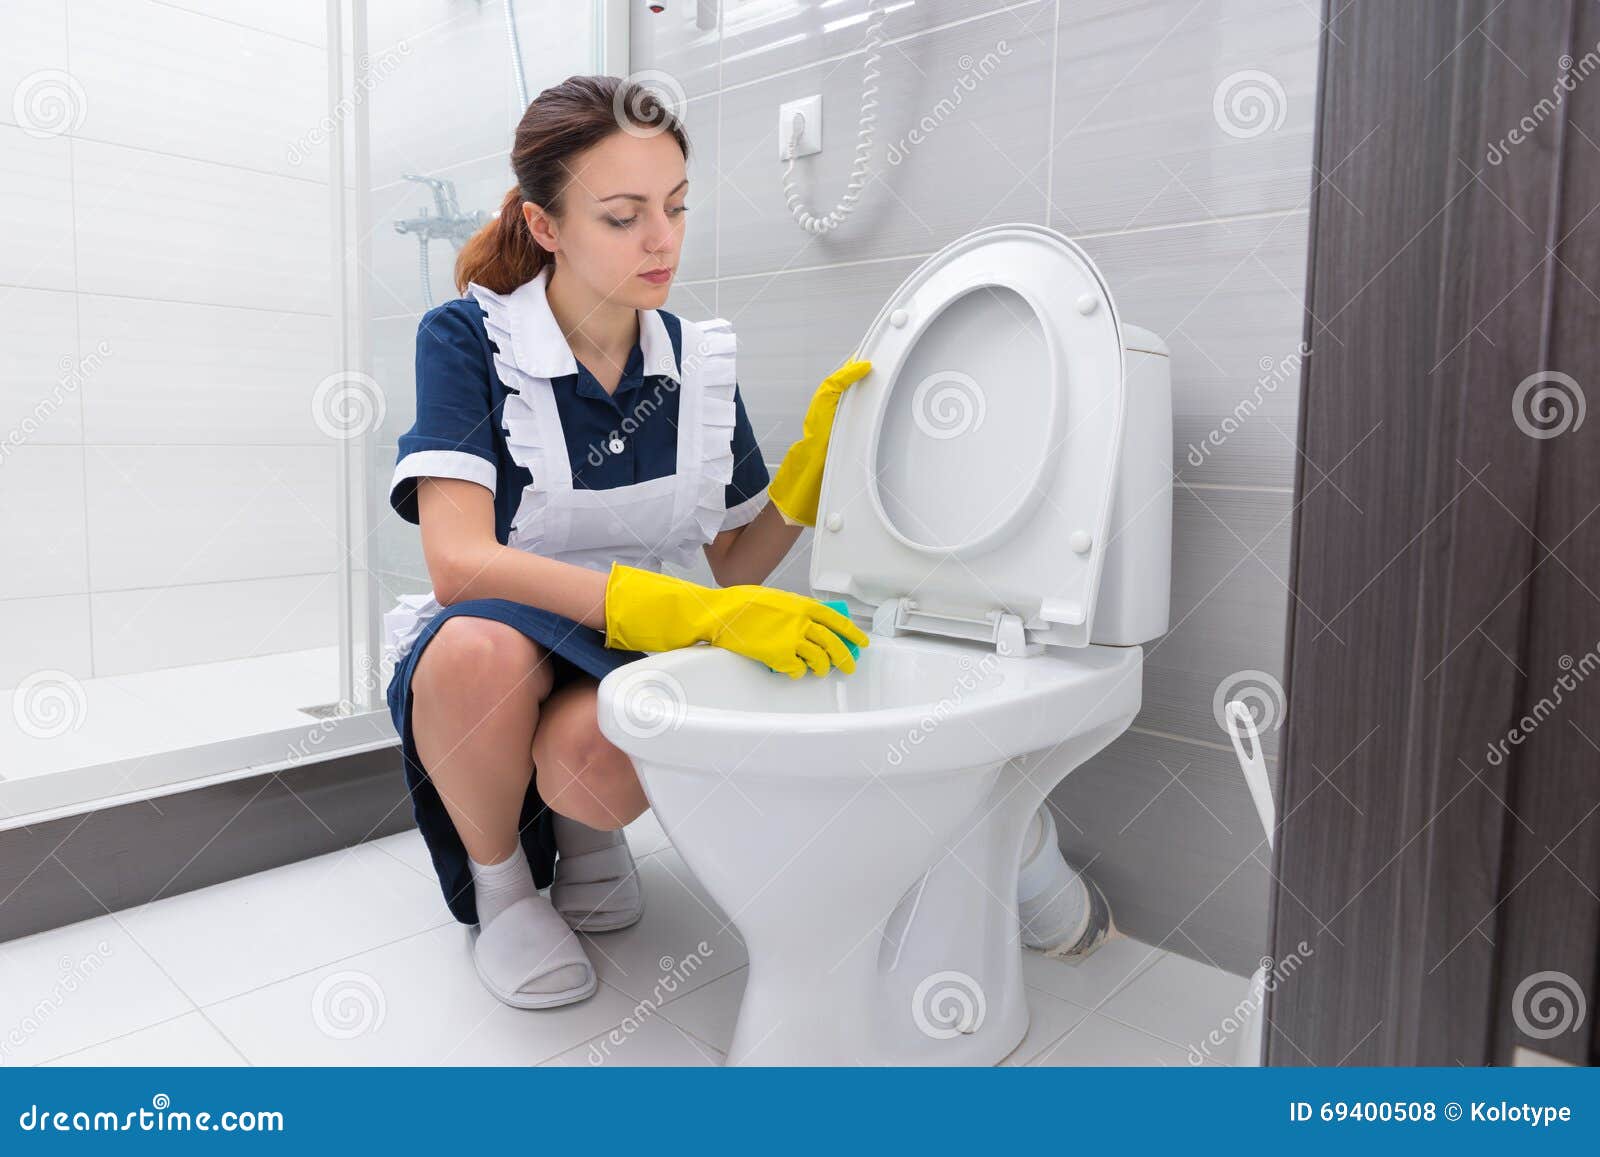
[{"x": 844, "y": 609}]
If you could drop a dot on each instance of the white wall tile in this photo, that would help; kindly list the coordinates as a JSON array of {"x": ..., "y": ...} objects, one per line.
[
  {"x": 41, "y": 386},
  {"x": 1138, "y": 142},
  {"x": 794, "y": 328},
  {"x": 142, "y": 630},
  {"x": 36, "y": 210},
  {"x": 1171, "y": 868},
  {"x": 762, "y": 39},
  {"x": 169, "y": 515},
  {"x": 48, "y": 632},
  {"x": 1227, "y": 297},
  {"x": 33, "y": 39},
  {"x": 158, "y": 77},
  {"x": 42, "y": 522},
  {"x": 980, "y": 159},
  {"x": 303, "y": 20},
  {"x": 181, "y": 373},
  {"x": 151, "y": 225}
]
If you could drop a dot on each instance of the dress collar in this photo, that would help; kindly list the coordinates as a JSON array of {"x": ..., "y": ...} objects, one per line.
[{"x": 541, "y": 349}]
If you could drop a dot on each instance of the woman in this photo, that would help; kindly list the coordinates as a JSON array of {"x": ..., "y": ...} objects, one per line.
[{"x": 571, "y": 436}]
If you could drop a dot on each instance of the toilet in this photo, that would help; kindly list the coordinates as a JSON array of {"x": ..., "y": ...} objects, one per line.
[{"x": 997, "y": 504}]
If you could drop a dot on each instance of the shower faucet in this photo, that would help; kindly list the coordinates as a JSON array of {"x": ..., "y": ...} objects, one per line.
[{"x": 446, "y": 220}]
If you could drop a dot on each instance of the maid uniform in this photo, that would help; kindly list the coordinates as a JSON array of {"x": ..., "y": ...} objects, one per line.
[{"x": 645, "y": 475}]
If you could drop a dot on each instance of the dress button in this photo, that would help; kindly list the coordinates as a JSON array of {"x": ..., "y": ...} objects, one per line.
[{"x": 616, "y": 444}]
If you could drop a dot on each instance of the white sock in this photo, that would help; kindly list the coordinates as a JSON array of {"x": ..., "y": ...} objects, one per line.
[{"x": 498, "y": 886}]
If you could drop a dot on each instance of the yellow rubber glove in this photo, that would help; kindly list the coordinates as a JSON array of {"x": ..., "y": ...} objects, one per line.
[
  {"x": 797, "y": 486},
  {"x": 646, "y": 611}
]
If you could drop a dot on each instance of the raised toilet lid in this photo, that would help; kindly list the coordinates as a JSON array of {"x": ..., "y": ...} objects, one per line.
[{"x": 969, "y": 478}]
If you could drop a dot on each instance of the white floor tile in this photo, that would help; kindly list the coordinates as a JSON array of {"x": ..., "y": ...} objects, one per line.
[
  {"x": 76, "y": 986},
  {"x": 1183, "y": 1002},
  {"x": 710, "y": 1011},
  {"x": 227, "y": 939},
  {"x": 1099, "y": 1040},
  {"x": 648, "y": 1040},
  {"x": 1049, "y": 1018},
  {"x": 184, "y": 1040},
  {"x": 1095, "y": 978},
  {"x": 415, "y": 1002},
  {"x": 660, "y": 957}
]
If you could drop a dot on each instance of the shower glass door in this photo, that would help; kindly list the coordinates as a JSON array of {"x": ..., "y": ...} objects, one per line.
[{"x": 222, "y": 224}]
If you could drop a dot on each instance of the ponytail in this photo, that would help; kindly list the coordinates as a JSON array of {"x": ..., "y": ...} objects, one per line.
[{"x": 503, "y": 254}]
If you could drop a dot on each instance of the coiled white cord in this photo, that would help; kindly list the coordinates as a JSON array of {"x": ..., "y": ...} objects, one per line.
[{"x": 831, "y": 220}]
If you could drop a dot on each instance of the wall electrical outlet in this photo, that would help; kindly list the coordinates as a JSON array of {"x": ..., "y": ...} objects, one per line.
[{"x": 809, "y": 107}]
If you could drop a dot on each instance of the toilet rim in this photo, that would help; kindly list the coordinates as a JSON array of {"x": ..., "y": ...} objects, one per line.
[{"x": 1099, "y": 671}]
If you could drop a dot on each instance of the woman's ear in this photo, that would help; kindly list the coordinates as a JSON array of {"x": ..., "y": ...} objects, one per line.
[{"x": 541, "y": 225}]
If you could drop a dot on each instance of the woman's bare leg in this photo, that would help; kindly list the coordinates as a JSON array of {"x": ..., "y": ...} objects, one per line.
[
  {"x": 478, "y": 690},
  {"x": 582, "y": 775}
]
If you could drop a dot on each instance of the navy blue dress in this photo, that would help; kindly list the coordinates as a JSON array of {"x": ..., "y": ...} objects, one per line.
[{"x": 458, "y": 433}]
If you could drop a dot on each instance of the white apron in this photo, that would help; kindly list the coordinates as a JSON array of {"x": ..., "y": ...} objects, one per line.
[{"x": 643, "y": 524}]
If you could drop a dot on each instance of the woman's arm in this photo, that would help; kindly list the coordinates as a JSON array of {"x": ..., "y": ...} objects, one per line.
[
  {"x": 465, "y": 561},
  {"x": 749, "y": 553}
]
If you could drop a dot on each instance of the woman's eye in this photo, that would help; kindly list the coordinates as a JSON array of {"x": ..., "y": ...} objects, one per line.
[
  {"x": 621, "y": 224},
  {"x": 679, "y": 210}
]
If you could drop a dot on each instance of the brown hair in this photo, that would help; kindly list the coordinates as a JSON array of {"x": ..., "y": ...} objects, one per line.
[{"x": 561, "y": 122}]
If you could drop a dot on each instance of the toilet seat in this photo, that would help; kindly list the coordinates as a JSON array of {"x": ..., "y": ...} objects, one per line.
[{"x": 970, "y": 477}]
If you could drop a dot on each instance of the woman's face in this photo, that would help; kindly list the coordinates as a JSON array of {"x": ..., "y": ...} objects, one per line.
[{"x": 622, "y": 217}]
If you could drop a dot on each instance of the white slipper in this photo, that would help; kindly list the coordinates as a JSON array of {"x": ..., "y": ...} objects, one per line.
[
  {"x": 598, "y": 891},
  {"x": 529, "y": 958}
]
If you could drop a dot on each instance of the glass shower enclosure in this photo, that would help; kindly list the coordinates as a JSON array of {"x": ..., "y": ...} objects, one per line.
[{"x": 223, "y": 225}]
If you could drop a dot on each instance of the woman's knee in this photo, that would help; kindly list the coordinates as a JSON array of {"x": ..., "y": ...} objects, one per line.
[
  {"x": 591, "y": 780},
  {"x": 468, "y": 655}
]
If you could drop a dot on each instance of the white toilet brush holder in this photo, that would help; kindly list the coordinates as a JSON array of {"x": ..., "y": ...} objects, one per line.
[{"x": 1242, "y": 725}]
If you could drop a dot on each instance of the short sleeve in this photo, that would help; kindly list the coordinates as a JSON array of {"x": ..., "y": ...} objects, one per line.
[
  {"x": 747, "y": 490},
  {"x": 453, "y": 435}
]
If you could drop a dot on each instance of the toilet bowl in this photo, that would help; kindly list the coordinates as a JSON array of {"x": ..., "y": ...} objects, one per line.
[{"x": 997, "y": 502}]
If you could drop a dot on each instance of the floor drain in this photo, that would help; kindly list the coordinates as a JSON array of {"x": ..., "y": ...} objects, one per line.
[{"x": 325, "y": 711}]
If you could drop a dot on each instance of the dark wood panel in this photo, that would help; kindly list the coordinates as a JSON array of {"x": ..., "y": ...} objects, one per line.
[
  {"x": 1421, "y": 584},
  {"x": 1550, "y": 927},
  {"x": 1383, "y": 144}
]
